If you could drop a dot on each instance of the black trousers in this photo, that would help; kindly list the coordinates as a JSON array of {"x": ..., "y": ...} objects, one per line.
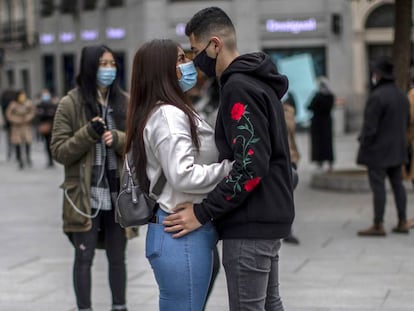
[
  {"x": 377, "y": 182},
  {"x": 47, "y": 138},
  {"x": 115, "y": 245}
]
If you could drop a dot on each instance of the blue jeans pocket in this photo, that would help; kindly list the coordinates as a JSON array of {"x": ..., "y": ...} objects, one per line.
[{"x": 154, "y": 240}]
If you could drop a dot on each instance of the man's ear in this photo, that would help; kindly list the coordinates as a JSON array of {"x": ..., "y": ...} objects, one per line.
[{"x": 217, "y": 42}]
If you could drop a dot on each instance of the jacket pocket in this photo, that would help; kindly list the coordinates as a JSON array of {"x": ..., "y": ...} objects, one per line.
[{"x": 74, "y": 211}]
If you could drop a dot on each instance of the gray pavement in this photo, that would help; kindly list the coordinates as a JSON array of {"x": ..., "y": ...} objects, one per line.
[{"x": 332, "y": 269}]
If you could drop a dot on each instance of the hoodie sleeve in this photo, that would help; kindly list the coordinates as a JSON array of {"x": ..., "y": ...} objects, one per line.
[{"x": 244, "y": 118}]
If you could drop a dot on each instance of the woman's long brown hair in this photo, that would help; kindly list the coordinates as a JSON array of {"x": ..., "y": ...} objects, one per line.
[{"x": 154, "y": 79}]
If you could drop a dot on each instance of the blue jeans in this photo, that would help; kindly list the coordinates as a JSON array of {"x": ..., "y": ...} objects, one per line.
[
  {"x": 182, "y": 267},
  {"x": 252, "y": 274}
]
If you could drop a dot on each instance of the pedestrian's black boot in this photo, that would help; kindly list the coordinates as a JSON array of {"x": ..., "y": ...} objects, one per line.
[
  {"x": 19, "y": 157},
  {"x": 28, "y": 157}
]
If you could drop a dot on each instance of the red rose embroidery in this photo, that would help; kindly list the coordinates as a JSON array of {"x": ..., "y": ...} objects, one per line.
[
  {"x": 250, "y": 152},
  {"x": 234, "y": 141},
  {"x": 251, "y": 184},
  {"x": 228, "y": 198},
  {"x": 237, "y": 111}
]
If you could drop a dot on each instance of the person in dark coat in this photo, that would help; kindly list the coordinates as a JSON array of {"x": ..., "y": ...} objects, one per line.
[
  {"x": 383, "y": 147},
  {"x": 6, "y": 98},
  {"x": 321, "y": 125},
  {"x": 45, "y": 112}
]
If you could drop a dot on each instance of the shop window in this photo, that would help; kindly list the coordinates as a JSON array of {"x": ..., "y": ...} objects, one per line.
[
  {"x": 317, "y": 54},
  {"x": 302, "y": 67},
  {"x": 381, "y": 17},
  {"x": 49, "y": 73},
  {"x": 5, "y": 21},
  {"x": 10, "y": 78},
  {"x": 68, "y": 6},
  {"x": 46, "y": 8},
  {"x": 26, "y": 81},
  {"x": 114, "y": 3},
  {"x": 89, "y": 5}
]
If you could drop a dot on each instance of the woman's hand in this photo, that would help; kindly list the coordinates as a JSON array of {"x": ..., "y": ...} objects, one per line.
[{"x": 108, "y": 138}]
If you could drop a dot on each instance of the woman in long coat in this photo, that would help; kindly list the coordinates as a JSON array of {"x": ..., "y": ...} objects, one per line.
[
  {"x": 321, "y": 125},
  {"x": 20, "y": 114}
]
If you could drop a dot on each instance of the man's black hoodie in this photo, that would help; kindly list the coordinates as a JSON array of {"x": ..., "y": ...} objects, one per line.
[{"x": 255, "y": 201}]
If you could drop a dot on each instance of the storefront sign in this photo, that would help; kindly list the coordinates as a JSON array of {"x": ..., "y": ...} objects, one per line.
[{"x": 291, "y": 26}]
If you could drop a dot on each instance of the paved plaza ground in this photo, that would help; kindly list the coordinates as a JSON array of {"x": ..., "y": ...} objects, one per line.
[{"x": 332, "y": 269}]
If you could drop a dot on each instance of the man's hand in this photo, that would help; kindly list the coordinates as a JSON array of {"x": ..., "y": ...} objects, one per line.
[{"x": 183, "y": 221}]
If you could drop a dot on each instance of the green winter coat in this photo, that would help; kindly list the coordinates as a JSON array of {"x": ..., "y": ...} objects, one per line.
[{"x": 73, "y": 145}]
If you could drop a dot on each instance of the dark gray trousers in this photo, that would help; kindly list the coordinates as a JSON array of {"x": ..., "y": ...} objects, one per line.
[
  {"x": 252, "y": 273},
  {"x": 377, "y": 183}
]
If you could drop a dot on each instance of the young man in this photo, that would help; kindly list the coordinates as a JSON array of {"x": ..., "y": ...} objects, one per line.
[
  {"x": 253, "y": 206},
  {"x": 383, "y": 145}
]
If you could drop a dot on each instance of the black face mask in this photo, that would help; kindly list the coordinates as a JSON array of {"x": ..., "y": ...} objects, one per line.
[{"x": 206, "y": 63}]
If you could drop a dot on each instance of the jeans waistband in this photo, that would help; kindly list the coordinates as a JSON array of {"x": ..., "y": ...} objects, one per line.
[{"x": 159, "y": 216}]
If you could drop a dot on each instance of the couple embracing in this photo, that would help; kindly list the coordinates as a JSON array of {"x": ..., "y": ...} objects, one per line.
[{"x": 245, "y": 198}]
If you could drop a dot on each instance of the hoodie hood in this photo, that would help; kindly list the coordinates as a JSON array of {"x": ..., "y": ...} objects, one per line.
[{"x": 258, "y": 65}]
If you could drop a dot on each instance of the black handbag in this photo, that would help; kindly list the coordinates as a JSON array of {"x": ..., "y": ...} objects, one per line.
[{"x": 134, "y": 206}]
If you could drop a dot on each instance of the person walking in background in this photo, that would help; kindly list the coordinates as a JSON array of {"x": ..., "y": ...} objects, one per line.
[
  {"x": 321, "y": 125},
  {"x": 45, "y": 112},
  {"x": 409, "y": 167},
  {"x": 6, "y": 98},
  {"x": 167, "y": 138},
  {"x": 88, "y": 139},
  {"x": 383, "y": 147},
  {"x": 289, "y": 107},
  {"x": 252, "y": 207},
  {"x": 20, "y": 114}
]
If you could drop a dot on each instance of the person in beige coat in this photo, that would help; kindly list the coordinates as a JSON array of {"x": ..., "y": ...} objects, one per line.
[
  {"x": 289, "y": 108},
  {"x": 20, "y": 114}
]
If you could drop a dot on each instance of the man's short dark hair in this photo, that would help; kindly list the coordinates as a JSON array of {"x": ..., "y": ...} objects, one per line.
[{"x": 209, "y": 21}]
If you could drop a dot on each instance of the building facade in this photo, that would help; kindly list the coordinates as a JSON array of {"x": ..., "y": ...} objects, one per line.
[{"x": 306, "y": 39}]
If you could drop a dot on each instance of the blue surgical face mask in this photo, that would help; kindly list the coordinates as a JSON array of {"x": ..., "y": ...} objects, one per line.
[
  {"x": 46, "y": 97},
  {"x": 189, "y": 76},
  {"x": 105, "y": 76}
]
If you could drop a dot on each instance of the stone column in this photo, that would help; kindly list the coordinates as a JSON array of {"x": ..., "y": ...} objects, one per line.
[{"x": 244, "y": 15}]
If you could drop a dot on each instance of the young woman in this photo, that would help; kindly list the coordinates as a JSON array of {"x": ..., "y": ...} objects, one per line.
[
  {"x": 88, "y": 139},
  {"x": 167, "y": 137}
]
